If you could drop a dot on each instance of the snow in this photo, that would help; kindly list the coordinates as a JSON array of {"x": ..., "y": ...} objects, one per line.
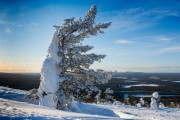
[
  {"x": 155, "y": 94},
  {"x": 18, "y": 110},
  {"x": 161, "y": 105},
  {"x": 109, "y": 91},
  {"x": 13, "y": 105},
  {"x": 153, "y": 103},
  {"x": 142, "y": 102},
  {"x": 12, "y": 108},
  {"x": 117, "y": 103},
  {"x": 138, "y": 105},
  {"x": 54, "y": 47},
  {"x": 50, "y": 75},
  {"x": 131, "y": 112},
  {"x": 151, "y": 85},
  {"x": 15, "y": 94}
]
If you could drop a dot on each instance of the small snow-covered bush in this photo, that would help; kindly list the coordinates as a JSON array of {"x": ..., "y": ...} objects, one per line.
[
  {"x": 155, "y": 95},
  {"x": 138, "y": 105},
  {"x": 108, "y": 103},
  {"x": 32, "y": 94},
  {"x": 108, "y": 95},
  {"x": 142, "y": 102},
  {"x": 98, "y": 97},
  {"x": 161, "y": 105},
  {"x": 153, "y": 104},
  {"x": 117, "y": 103}
]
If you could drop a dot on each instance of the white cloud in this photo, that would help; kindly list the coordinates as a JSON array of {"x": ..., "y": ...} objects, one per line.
[
  {"x": 170, "y": 49},
  {"x": 164, "y": 39},
  {"x": 166, "y": 50},
  {"x": 8, "y": 30},
  {"x": 33, "y": 24},
  {"x": 124, "y": 42},
  {"x": 137, "y": 18}
]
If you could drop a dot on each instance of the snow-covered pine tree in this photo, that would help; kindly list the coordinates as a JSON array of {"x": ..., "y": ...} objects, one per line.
[
  {"x": 153, "y": 104},
  {"x": 67, "y": 66},
  {"x": 141, "y": 103},
  {"x": 98, "y": 97},
  {"x": 108, "y": 92}
]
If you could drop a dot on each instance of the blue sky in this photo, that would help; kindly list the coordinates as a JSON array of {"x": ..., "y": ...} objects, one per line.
[{"x": 144, "y": 35}]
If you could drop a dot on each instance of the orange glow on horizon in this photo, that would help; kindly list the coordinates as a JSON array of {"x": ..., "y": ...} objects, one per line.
[{"x": 19, "y": 67}]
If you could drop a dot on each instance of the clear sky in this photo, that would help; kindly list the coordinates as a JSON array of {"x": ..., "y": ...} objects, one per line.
[{"x": 144, "y": 35}]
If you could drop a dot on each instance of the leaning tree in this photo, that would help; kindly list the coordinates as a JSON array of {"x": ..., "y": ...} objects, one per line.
[{"x": 66, "y": 69}]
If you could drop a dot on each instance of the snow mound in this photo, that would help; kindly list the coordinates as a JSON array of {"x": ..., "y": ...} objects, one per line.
[
  {"x": 10, "y": 109},
  {"x": 15, "y": 94},
  {"x": 19, "y": 110}
]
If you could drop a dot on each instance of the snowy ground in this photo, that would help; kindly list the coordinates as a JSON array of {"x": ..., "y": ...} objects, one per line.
[{"x": 13, "y": 105}]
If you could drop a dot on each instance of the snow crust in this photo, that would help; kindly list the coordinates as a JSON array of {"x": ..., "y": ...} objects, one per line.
[
  {"x": 13, "y": 109},
  {"x": 19, "y": 110}
]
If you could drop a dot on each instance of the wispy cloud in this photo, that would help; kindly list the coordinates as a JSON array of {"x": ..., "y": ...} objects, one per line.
[
  {"x": 164, "y": 39},
  {"x": 166, "y": 50},
  {"x": 137, "y": 18},
  {"x": 156, "y": 41},
  {"x": 3, "y": 14},
  {"x": 124, "y": 42},
  {"x": 5, "y": 21},
  {"x": 8, "y": 30},
  {"x": 33, "y": 24}
]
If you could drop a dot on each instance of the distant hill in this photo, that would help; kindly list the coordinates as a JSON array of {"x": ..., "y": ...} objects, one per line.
[{"x": 24, "y": 81}]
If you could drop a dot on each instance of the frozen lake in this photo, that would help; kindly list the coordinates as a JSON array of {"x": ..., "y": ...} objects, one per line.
[
  {"x": 149, "y": 85},
  {"x": 176, "y": 81}
]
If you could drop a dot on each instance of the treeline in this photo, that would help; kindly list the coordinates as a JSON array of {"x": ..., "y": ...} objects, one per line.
[{"x": 22, "y": 81}]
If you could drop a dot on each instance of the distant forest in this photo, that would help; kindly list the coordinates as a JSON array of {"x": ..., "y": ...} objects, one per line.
[
  {"x": 27, "y": 81},
  {"x": 24, "y": 81}
]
